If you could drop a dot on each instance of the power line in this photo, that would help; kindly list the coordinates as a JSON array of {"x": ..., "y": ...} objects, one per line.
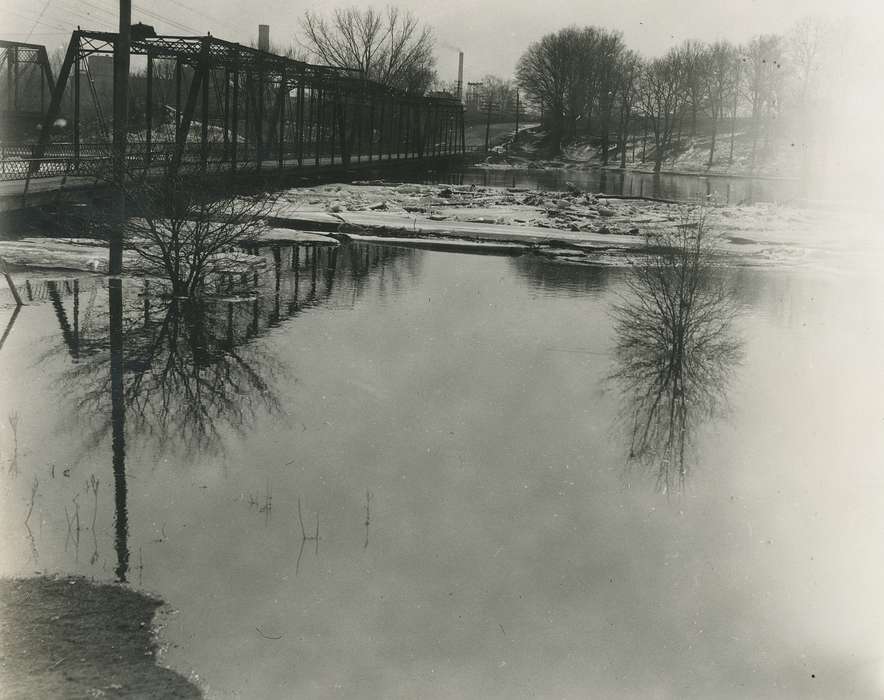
[
  {"x": 79, "y": 16},
  {"x": 167, "y": 20},
  {"x": 200, "y": 13},
  {"x": 36, "y": 21},
  {"x": 149, "y": 13}
]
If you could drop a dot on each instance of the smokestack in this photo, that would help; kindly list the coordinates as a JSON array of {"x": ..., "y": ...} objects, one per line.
[
  {"x": 460, "y": 76},
  {"x": 264, "y": 37}
]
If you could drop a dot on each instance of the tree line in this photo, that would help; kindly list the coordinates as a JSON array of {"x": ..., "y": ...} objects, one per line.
[{"x": 587, "y": 82}]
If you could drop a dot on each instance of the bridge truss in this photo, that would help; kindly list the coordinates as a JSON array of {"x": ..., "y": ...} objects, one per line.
[{"x": 202, "y": 102}]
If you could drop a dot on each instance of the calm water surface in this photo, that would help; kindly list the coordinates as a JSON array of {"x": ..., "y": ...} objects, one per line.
[{"x": 402, "y": 473}]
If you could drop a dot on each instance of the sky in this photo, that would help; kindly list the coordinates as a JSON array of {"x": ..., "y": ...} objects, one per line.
[{"x": 492, "y": 33}]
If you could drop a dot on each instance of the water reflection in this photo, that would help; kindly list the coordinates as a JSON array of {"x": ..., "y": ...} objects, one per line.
[
  {"x": 552, "y": 277},
  {"x": 177, "y": 371},
  {"x": 186, "y": 376},
  {"x": 676, "y": 349}
]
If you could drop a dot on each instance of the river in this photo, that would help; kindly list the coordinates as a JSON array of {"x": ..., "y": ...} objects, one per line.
[
  {"x": 412, "y": 473},
  {"x": 718, "y": 189}
]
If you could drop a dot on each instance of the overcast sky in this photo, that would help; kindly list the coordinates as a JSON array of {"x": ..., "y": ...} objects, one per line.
[{"x": 492, "y": 33}]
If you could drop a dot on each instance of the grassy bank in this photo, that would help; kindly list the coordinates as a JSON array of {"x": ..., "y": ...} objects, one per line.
[{"x": 66, "y": 637}]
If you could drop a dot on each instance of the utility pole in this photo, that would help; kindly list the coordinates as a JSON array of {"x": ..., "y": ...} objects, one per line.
[
  {"x": 516, "y": 134},
  {"x": 488, "y": 125},
  {"x": 121, "y": 113}
]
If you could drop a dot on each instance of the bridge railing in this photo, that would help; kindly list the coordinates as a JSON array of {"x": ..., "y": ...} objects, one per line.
[{"x": 25, "y": 162}]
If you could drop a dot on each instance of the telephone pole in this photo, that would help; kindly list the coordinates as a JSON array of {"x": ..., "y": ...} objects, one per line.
[
  {"x": 488, "y": 125},
  {"x": 121, "y": 113}
]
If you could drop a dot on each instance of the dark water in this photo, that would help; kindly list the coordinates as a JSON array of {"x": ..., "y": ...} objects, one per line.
[
  {"x": 403, "y": 473},
  {"x": 682, "y": 188}
]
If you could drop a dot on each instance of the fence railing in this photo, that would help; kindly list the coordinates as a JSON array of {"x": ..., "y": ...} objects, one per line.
[{"x": 20, "y": 161}]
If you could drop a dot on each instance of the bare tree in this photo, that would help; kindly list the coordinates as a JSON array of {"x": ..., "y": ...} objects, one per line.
[
  {"x": 721, "y": 78},
  {"x": 549, "y": 71},
  {"x": 608, "y": 60},
  {"x": 187, "y": 224},
  {"x": 390, "y": 46},
  {"x": 630, "y": 70},
  {"x": 807, "y": 46},
  {"x": 660, "y": 96},
  {"x": 501, "y": 93},
  {"x": 764, "y": 75},
  {"x": 694, "y": 62},
  {"x": 573, "y": 74}
]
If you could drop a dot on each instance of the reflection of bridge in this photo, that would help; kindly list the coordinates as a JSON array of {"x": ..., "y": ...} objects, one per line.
[
  {"x": 204, "y": 103},
  {"x": 300, "y": 277}
]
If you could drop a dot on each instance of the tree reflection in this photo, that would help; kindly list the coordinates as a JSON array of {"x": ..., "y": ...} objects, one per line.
[
  {"x": 187, "y": 375},
  {"x": 676, "y": 348},
  {"x": 189, "y": 370}
]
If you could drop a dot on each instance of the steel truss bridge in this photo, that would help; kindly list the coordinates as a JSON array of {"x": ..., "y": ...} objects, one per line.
[{"x": 212, "y": 105}]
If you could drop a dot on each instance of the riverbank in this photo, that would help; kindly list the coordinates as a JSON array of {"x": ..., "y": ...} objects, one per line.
[
  {"x": 67, "y": 637},
  {"x": 777, "y": 160}
]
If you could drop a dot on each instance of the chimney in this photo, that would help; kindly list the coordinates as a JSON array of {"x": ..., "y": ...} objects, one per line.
[
  {"x": 460, "y": 76},
  {"x": 264, "y": 37}
]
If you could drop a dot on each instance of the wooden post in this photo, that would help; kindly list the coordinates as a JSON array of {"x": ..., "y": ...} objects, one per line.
[
  {"x": 118, "y": 417},
  {"x": 488, "y": 126},
  {"x": 463, "y": 132},
  {"x": 121, "y": 126}
]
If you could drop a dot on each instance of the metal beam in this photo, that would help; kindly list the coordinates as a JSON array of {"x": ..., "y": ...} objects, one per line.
[
  {"x": 199, "y": 76},
  {"x": 55, "y": 103}
]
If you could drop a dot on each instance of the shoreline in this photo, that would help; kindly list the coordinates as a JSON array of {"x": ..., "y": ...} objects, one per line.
[{"x": 64, "y": 636}]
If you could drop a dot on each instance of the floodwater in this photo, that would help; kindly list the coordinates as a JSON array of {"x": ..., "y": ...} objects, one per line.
[
  {"x": 673, "y": 186},
  {"x": 412, "y": 473}
]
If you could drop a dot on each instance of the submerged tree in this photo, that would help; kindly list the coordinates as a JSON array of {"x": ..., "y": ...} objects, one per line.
[
  {"x": 187, "y": 226},
  {"x": 675, "y": 347},
  {"x": 390, "y": 47}
]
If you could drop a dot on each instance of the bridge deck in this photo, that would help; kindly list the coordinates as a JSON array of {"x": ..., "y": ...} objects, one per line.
[{"x": 24, "y": 194}]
